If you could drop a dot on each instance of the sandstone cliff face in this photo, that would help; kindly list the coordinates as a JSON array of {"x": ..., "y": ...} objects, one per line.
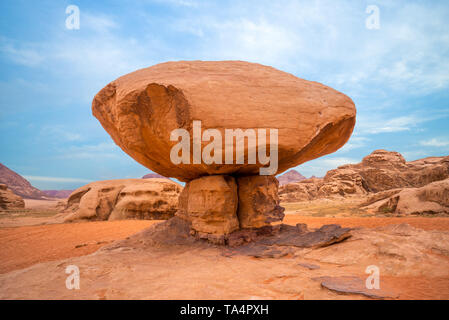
[
  {"x": 141, "y": 109},
  {"x": 381, "y": 170},
  {"x": 19, "y": 185},
  {"x": 123, "y": 199},
  {"x": 430, "y": 199},
  {"x": 9, "y": 200}
]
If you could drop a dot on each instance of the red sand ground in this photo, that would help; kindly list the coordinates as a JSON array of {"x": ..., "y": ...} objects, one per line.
[
  {"x": 25, "y": 246},
  {"x": 21, "y": 247}
]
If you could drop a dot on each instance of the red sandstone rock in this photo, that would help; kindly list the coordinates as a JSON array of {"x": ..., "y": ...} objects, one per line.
[{"x": 140, "y": 110}]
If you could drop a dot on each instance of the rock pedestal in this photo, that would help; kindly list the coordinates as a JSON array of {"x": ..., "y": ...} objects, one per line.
[{"x": 216, "y": 206}]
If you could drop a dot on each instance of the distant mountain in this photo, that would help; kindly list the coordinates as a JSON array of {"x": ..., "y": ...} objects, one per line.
[
  {"x": 60, "y": 194},
  {"x": 19, "y": 185},
  {"x": 153, "y": 175},
  {"x": 289, "y": 177}
]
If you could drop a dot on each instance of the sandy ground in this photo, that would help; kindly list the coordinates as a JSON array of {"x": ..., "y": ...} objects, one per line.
[
  {"x": 22, "y": 247},
  {"x": 27, "y": 245},
  {"x": 40, "y": 204},
  {"x": 425, "y": 223},
  {"x": 183, "y": 273}
]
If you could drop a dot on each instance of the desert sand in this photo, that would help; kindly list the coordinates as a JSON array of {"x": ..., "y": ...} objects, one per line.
[{"x": 33, "y": 261}]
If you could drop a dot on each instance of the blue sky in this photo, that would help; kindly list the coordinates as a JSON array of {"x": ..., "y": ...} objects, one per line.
[{"x": 398, "y": 75}]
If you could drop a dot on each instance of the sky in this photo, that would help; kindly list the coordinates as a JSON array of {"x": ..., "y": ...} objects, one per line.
[{"x": 395, "y": 70}]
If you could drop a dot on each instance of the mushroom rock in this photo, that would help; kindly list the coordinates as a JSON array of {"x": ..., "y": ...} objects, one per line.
[{"x": 142, "y": 109}]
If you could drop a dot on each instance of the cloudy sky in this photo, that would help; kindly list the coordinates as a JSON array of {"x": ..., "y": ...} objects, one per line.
[{"x": 397, "y": 75}]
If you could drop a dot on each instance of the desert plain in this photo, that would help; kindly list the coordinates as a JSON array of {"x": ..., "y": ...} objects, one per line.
[{"x": 36, "y": 251}]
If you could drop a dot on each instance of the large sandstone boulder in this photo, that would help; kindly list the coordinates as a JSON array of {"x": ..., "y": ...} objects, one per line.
[
  {"x": 140, "y": 110},
  {"x": 9, "y": 200},
  {"x": 430, "y": 199},
  {"x": 124, "y": 199},
  {"x": 380, "y": 171}
]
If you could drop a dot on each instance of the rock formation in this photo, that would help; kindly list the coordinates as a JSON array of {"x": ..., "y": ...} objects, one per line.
[
  {"x": 381, "y": 170},
  {"x": 123, "y": 199},
  {"x": 19, "y": 185},
  {"x": 430, "y": 199},
  {"x": 142, "y": 109},
  {"x": 289, "y": 177},
  {"x": 9, "y": 200}
]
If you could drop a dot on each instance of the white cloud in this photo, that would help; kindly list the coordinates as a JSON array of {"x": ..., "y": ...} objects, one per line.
[
  {"x": 55, "y": 179},
  {"x": 354, "y": 142},
  {"x": 103, "y": 150},
  {"x": 97, "y": 22},
  {"x": 60, "y": 133},
  {"x": 27, "y": 55},
  {"x": 319, "y": 167},
  {"x": 375, "y": 124},
  {"x": 435, "y": 142}
]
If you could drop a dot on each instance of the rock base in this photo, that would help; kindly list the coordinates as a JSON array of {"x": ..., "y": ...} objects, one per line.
[{"x": 217, "y": 206}]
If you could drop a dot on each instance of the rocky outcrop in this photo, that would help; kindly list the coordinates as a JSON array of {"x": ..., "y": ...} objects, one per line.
[
  {"x": 9, "y": 200},
  {"x": 123, "y": 199},
  {"x": 289, "y": 177},
  {"x": 19, "y": 185},
  {"x": 380, "y": 171},
  {"x": 141, "y": 109},
  {"x": 430, "y": 199}
]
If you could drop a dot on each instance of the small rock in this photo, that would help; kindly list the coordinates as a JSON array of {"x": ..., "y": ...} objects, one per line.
[{"x": 353, "y": 285}]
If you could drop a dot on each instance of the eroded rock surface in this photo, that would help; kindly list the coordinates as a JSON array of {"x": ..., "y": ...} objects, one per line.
[
  {"x": 124, "y": 199},
  {"x": 430, "y": 199},
  {"x": 354, "y": 285},
  {"x": 258, "y": 201},
  {"x": 380, "y": 171},
  {"x": 141, "y": 109},
  {"x": 210, "y": 205},
  {"x": 9, "y": 200}
]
